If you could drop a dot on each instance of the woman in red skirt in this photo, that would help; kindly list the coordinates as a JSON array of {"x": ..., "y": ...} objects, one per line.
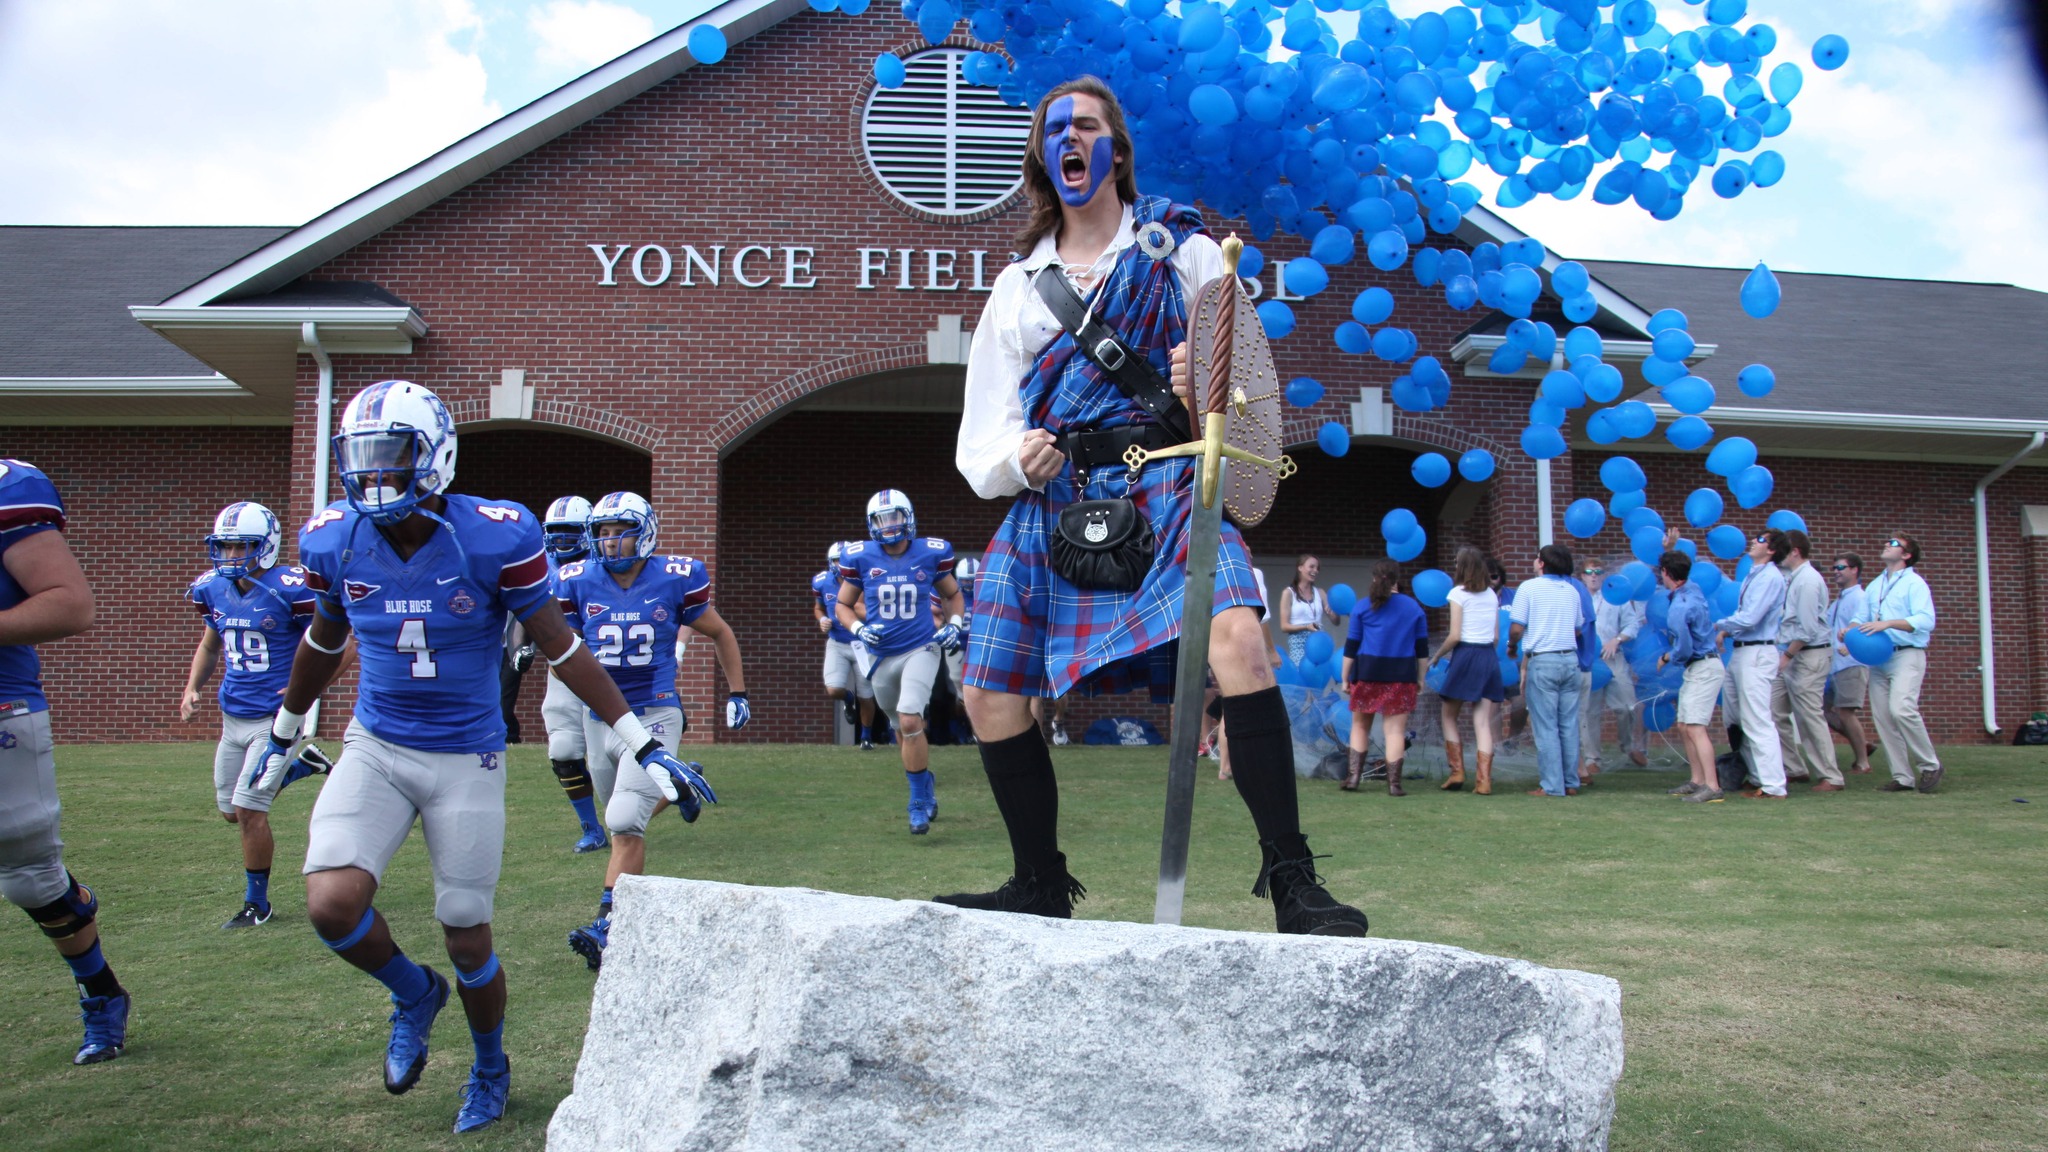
[{"x": 1385, "y": 658}]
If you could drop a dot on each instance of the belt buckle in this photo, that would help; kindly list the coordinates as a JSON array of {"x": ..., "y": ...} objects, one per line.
[{"x": 1109, "y": 354}]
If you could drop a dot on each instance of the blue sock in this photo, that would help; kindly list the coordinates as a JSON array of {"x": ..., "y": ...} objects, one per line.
[
  {"x": 257, "y": 890},
  {"x": 920, "y": 786},
  {"x": 87, "y": 964},
  {"x": 586, "y": 811},
  {"x": 408, "y": 981},
  {"x": 490, "y": 1048}
]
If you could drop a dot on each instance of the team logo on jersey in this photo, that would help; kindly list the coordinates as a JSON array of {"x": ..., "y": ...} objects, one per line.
[
  {"x": 920, "y": 575},
  {"x": 217, "y": 615},
  {"x": 357, "y": 591},
  {"x": 877, "y": 573},
  {"x": 461, "y": 602},
  {"x": 7, "y": 740},
  {"x": 268, "y": 624},
  {"x": 660, "y": 613},
  {"x": 595, "y": 609},
  {"x": 488, "y": 761},
  {"x": 659, "y": 729}
]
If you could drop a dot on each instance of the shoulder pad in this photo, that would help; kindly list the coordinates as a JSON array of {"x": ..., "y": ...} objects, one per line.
[
  {"x": 27, "y": 497},
  {"x": 569, "y": 571}
]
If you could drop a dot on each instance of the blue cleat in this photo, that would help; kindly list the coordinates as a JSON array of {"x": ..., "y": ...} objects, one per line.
[
  {"x": 483, "y": 1098},
  {"x": 406, "y": 1056},
  {"x": 593, "y": 841},
  {"x": 589, "y": 941},
  {"x": 106, "y": 1028},
  {"x": 310, "y": 761},
  {"x": 920, "y": 820}
]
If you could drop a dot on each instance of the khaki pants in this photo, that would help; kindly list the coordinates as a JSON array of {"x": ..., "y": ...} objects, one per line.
[
  {"x": 1895, "y": 706},
  {"x": 1795, "y": 703}
]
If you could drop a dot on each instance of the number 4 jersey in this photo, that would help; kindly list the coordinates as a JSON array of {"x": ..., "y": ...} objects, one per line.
[
  {"x": 430, "y": 631},
  {"x": 898, "y": 589},
  {"x": 259, "y": 633},
  {"x": 632, "y": 630}
]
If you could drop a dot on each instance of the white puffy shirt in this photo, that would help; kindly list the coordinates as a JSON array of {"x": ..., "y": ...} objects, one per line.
[{"x": 1015, "y": 327}]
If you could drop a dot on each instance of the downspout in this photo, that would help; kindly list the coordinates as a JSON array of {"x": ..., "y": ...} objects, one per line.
[
  {"x": 1986, "y": 666},
  {"x": 323, "y": 432}
]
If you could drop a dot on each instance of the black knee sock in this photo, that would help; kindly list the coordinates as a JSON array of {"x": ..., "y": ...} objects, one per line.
[
  {"x": 1262, "y": 764},
  {"x": 1020, "y": 774}
]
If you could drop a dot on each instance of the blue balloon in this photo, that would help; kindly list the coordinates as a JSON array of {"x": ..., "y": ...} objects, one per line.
[
  {"x": 1584, "y": 518},
  {"x": 1767, "y": 169},
  {"x": 1431, "y": 470},
  {"x": 1785, "y": 520},
  {"x": 1432, "y": 586},
  {"x": 1582, "y": 342},
  {"x": 1691, "y": 550},
  {"x": 1387, "y": 250},
  {"x": 1727, "y": 542},
  {"x": 1334, "y": 438},
  {"x": 1476, "y": 465},
  {"x": 1410, "y": 548},
  {"x": 1731, "y": 456},
  {"x": 1744, "y": 564},
  {"x": 1251, "y": 262},
  {"x": 1703, "y": 507},
  {"x": 1647, "y": 543},
  {"x": 1542, "y": 442},
  {"x": 1756, "y": 380},
  {"x": 1305, "y": 277},
  {"x": 1319, "y": 646},
  {"x": 1667, "y": 318},
  {"x": 1760, "y": 292},
  {"x": 1277, "y": 318},
  {"x": 1661, "y": 713},
  {"x": 1786, "y": 81},
  {"x": 1570, "y": 279},
  {"x": 1211, "y": 103},
  {"x": 1564, "y": 390},
  {"x": 1689, "y": 433},
  {"x": 1617, "y": 589},
  {"x": 1393, "y": 344},
  {"x": 1659, "y": 371},
  {"x": 1636, "y": 519},
  {"x": 1201, "y": 27},
  {"x": 889, "y": 70},
  {"x": 1707, "y": 576},
  {"x": 707, "y": 46},
  {"x": 1342, "y": 599},
  {"x": 1399, "y": 524},
  {"x": 1725, "y": 600},
  {"x": 1304, "y": 391},
  {"x": 1604, "y": 384},
  {"x": 1437, "y": 675},
  {"x": 1751, "y": 486},
  {"x": 1600, "y": 429},
  {"x": 1691, "y": 395},
  {"x": 1642, "y": 579},
  {"x": 1333, "y": 245},
  {"x": 1869, "y": 648},
  {"x": 1621, "y": 474},
  {"x": 1602, "y": 675},
  {"x": 1633, "y": 419},
  {"x": 1830, "y": 52},
  {"x": 1352, "y": 337},
  {"x": 1373, "y": 306},
  {"x": 1673, "y": 344}
]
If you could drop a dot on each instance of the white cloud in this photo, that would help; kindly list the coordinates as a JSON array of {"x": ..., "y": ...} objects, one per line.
[
  {"x": 578, "y": 35},
  {"x": 233, "y": 112}
]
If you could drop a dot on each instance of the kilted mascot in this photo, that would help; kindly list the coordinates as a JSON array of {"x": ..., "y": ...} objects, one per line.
[{"x": 1075, "y": 603}]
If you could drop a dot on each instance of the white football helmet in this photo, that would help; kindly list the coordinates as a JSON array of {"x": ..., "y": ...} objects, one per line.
[
  {"x": 635, "y": 542},
  {"x": 890, "y": 518},
  {"x": 396, "y": 447},
  {"x": 563, "y": 529},
  {"x": 833, "y": 553},
  {"x": 966, "y": 569},
  {"x": 253, "y": 530}
]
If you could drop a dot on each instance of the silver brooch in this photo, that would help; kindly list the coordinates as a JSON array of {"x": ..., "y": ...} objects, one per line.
[{"x": 1155, "y": 241}]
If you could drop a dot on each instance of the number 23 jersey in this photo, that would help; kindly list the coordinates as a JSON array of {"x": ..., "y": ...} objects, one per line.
[
  {"x": 430, "y": 631},
  {"x": 898, "y": 589},
  {"x": 632, "y": 630}
]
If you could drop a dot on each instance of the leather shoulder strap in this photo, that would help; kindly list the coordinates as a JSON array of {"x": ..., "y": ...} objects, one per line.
[{"x": 1132, "y": 374}]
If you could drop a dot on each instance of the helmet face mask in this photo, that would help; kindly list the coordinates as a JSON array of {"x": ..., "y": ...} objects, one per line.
[
  {"x": 565, "y": 532},
  {"x": 622, "y": 531},
  {"x": 890, "y": 518},
  {"x": 396, "y": 447},
  {"x": 244, "y": 539}
]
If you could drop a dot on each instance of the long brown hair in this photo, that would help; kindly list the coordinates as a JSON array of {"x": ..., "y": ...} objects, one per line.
[
  {"x": 1300, "y": 560},
  {"x": 1470, "y": 566},
  {"x": 1385, "y": 575},
  {"x": 1045, "y": 198}
]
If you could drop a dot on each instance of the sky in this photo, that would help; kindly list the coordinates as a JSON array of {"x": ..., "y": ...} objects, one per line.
[{"x": 1925, "y": 157}]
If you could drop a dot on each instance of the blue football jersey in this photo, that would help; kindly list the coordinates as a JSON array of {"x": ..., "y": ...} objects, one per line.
[
  {"x": 28, "y": 504},
  {"x": 259, "y": 633},
  {"x": 632, "y": 630},
  {"x": 898, "y": 589},
  {"x": 430, "y": 631},
  {"x": 825, "y": 586}
]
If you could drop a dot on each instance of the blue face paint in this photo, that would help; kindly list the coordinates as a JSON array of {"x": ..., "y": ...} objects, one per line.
[{"x": 1060, "y": 139}]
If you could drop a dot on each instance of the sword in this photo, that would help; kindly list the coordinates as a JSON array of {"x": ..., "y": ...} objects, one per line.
[{"x": 1212, "y": 348}]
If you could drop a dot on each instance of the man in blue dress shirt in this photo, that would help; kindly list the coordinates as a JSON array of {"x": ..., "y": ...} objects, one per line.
[{"x": 1754, "y": 664}]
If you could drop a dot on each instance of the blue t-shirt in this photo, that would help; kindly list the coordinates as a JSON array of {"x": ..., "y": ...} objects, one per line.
[
  {"x": 898, "y": 589},
  {"x": 430, "y": 631},
  {"x": 825, "y": 588},
  {"x": 632, "y": 630},
  {"x": 259, "y": 633},
  {"x": 1385, "y": 642},
  {"x": 28, "y": 504}
]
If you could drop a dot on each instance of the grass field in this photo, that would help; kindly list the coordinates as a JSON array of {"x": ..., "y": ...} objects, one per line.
[{"x": 1854, "y": 971}]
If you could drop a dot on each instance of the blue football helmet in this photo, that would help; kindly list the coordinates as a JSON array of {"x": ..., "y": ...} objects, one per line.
[
  {"x": 396, "y": 447},
  {"x": 251, "y": 532},
  {"x": 564, "y": 529},
  {"x": 634, "y": 542},
  {"x": 890, "y": 519}
]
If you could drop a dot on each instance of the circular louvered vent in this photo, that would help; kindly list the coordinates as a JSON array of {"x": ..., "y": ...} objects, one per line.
[{"x": 941, "y": 145}]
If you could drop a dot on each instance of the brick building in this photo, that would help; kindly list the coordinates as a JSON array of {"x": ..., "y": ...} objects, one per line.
[{"x": 747, "y": 291}]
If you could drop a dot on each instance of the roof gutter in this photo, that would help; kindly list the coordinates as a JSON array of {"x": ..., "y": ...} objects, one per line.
[
  {"x": 1811, "y": 418},
  {"x": 1986, "y": 666}
]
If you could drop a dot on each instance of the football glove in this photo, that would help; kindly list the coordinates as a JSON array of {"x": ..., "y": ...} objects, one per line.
[
  {"x": 868, "y": 634},
  {"x": 952, "y": 636},
  {"x": 736, "y": 711},
  {"x": 680, "y": 783},
  {"x": 271, "y": 768},
  {"x": 522, "y": 658}
]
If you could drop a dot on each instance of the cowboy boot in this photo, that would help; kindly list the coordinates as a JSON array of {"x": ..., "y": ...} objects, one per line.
[
  {"x": 1455, "y": 753},
  {"x": 1357, "y": 766},
  {"x": 1394, "y": 778},
  {"x": 1485, "y": 785}
]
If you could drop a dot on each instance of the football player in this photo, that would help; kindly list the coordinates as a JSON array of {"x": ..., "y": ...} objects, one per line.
[
  {"x": 423, "y": 578},
  {"x": 630, "y": 605},
  {"x": 567, "y": 543},
  {"x": 44, "y": 597},
  {"x": 843, "y": 681},
  {"x": 254, "y": 611},
  {"x": 892, "y": 575}
]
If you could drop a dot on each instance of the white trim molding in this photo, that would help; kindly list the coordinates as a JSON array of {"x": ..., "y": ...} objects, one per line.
[
  {"x": 1473, "y": 350},
  {"x": 215, "y": 385}
]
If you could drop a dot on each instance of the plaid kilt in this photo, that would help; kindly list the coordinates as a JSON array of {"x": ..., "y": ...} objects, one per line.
[{"x": 1035, "y": 634}]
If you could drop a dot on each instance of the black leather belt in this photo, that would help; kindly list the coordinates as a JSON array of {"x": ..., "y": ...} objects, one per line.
[
  {"x": 1696, "y": 659},
  {"x": 1090, "y": 448},
  {"x": 1752, "y": 643}
]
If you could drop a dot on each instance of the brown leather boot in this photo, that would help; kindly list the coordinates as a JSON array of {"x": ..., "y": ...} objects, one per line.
[
  {"x": 1455, "y": 753},
  {"x": 1485, "y": 785},
  {"x": 1394, "y": 778},
  {"x": 1357, "y": 766}
]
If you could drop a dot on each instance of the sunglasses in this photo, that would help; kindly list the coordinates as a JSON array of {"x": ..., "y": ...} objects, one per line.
[
  {"x": 1594, "y": 570},
  {"x": 1841, "y": 567},
  {"x": 1763, "y": 539},
  {"x": 1895, "y": 543}
]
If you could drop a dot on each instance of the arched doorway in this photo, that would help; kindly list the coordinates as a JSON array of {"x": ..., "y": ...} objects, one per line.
[{"x": 535, "y": 464}]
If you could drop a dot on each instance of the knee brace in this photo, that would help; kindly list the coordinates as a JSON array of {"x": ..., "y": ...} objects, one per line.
[
  {"x": 69, "y": 914},
  {"x": 905, "y": 735},
  {"x": 355, "y": 935},
  {"x": 574, "y": 776}
]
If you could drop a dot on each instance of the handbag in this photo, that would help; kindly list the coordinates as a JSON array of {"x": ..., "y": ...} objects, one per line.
[{"x": 1102, "y": 544}]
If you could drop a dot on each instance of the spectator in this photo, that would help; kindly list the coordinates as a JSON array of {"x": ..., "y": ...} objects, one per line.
[
  {"x": 1803, "y": 671},
  {"x": 1615, "y": 624},
  {"x": 1303, "y": 606},
  {"x": 1474, "y": 673},
  {"x": 1547, "y": 616},
  {"x": 1517, "y": 711},
  {"x": 1384, "y": 659},
  {"x": 1754, "y": 665},
  {"x": 1849, "y": 681},
  {"x": 1898, "y": 604},
  {"x": 1691, "y": 625}
]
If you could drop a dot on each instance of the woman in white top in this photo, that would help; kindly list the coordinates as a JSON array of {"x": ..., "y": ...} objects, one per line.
[
  {"x": 1474, "y": 675},
  {"x": 1303, "y": 607}
]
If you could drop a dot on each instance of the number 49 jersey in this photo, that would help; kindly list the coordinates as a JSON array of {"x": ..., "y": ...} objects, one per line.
[
  {"x": 898, "y": 589},
  {"x": 430, "y": 630},
  {"x": 632, "y": 630},
  {"x": 259, "y": 633}
]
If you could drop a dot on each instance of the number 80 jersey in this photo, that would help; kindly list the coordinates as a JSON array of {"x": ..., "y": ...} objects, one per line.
[
  {"x": 632, "y": 630},
  {"x": 898, "y": 589}
]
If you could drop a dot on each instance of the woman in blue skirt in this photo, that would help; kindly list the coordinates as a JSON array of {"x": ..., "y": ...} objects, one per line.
[{"x": 1474, "y": 675}]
